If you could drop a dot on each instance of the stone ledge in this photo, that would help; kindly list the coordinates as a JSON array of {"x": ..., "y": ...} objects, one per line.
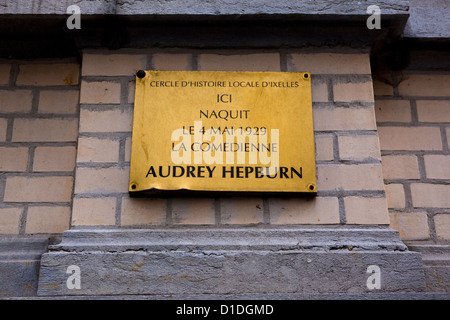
[
  {"x": 38, "y": 28},
  {"x": 196, "y": 8},
  {"x": 236, "y": 261},
  {"x": 256, "y": 297},
  {"x": 436, "y": 261},
  {"x": 19, "y": 266},
  {"x": 22, "y": 248},
  {"x": 428, "y": 20},
  {"x": 210, "y": 239}
]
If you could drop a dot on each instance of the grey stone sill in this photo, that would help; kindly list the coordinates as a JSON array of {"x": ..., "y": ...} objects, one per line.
[{"x": 196, "y": 7}]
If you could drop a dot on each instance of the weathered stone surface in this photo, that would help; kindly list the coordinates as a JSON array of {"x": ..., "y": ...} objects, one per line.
[
  {"x": 436, "y": 260},
  {"x": 324, "y": 238},
  {"x": 56, "y": 7},
  {"x": 194, "y": 7},
  {"x": 229, "y": 261},
  {"x": 36, "y": 28},
  {"x": 19, "y": 266},
  {"x": 428, "y": 19},
  {"x": 218, "y": 7}
]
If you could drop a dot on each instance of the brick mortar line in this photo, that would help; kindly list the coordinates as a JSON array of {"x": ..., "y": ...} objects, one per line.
[
  {"x": 351, "y": 193},
  {"x": 413, "y": 125},
  {"x": 430, "y": 210},
  {"x": 342, "y": 211},
  {"x": 349, "y": 163},
  {"x": 122, "y": 143},
  {"x": 421, "y": 167},
  {"x": 445, "y": 143},
  {"x": 93, "y": 227},
  {"x": 38, "y": 144},
  {"x": 118, "y": 211},
  {"x": 336, "y": 78},
  {"x": 113, "y": 136},
  {"x": 35, "y": 204},
  {"x": 36, "y": 94},
  {"x": 103, "y": 165},
  {"x": 72, "y": 194},
  {"x": 2, "y": 187},
  {"x": 146, "y": 226},
  {"x": 356, "y": 132},
  {"x": 37, "y": 174},
  {"x": 348, "y": 77},
  {"x": 89, "y": 195},
  {"x": 31, "y": 154},
  {"x": 106, "y": 107},
  {"x": 419, "y": 180},
  {"x": 431, "y": 226},
  {"x": 9, "y": 87},
  {"x": 31, "y": 116},
  {"x": 283, "y": 62},
  {"x": 318, "y": 162},
  {"x": 124, "y": 91},
  {"x": 336, "y": 153},
  {"x": 320, "y": 134},
  {"x": 357, "y": 161},
  {"x": 9, "y": 129},
  {"x": 338, "y": 161},
  {"x": 106, "y": 78},
  {"x": 194, "y": 62},
  {"x": 414, "y": 113},
  {"x": 149, "y": 61},
  {"x": 414, "y": 152},
  {"x": 13, "y": 73},
  {"x": 408, "y": 195},
  {"x": 43, "y": 87},
  {"x": 359, "y": 133},
  {"x": 356, "y": 104},
  {"x": 320, "y": 80},
  {"x": 23, "y": 220},
  {"x": 400, "y": 98},
  {"x": 320, "y": 194}
]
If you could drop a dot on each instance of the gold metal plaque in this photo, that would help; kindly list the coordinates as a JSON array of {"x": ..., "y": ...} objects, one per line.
[{"x": 223, "y": 132}]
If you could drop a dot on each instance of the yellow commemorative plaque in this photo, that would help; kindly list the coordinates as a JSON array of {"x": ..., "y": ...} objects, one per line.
[{"x": 223, "y": 132}]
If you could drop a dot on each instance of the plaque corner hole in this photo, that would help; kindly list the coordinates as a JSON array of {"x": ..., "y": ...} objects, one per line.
[{"x": 140, "y": 74}]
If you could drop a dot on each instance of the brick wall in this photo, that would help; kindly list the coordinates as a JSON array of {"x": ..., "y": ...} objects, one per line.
[
  {"x": 349, "y": 172},
  {"x": 38, "y": 134},
  {"x": 413, "y": 118},
  {"x": 65, "y": 144}
]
